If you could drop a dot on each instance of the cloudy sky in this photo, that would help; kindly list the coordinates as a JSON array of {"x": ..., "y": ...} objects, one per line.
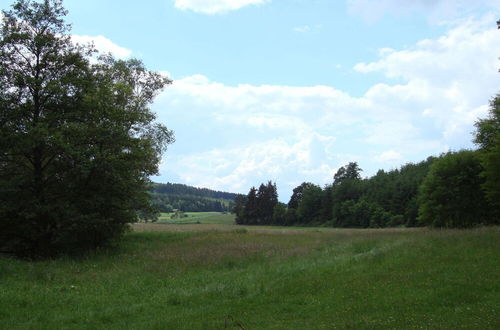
[{"x": 290, "y": 90}]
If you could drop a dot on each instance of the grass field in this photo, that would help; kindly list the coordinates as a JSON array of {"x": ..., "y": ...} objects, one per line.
[
  {"x": 198, "y": 218},
  {"x": 210, "y": 276}
]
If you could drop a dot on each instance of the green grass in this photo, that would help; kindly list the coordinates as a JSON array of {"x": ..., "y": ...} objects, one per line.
[
  {"x": 264, "y": 279},
  {"x": 199, "y": 218}
]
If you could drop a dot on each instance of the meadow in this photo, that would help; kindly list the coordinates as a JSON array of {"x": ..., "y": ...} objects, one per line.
[
  {"x": 222, "y": 276},
  {"x": 198, "y": 218}
]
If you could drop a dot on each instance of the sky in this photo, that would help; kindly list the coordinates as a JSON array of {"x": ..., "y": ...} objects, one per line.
[{"x": 291, "y": 90}]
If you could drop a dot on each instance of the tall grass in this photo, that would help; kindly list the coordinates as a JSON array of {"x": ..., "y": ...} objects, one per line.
[{"x": 289, "y": 279}]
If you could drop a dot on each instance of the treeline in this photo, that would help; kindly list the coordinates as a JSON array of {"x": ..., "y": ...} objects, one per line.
[
  {"x": 188, "y": 203},
  {"x": 386, "y": 199},
  {"x": 167, "y": 197},
  {"x": 182, "y": 189},
  {"x": 456, "y": 189}
]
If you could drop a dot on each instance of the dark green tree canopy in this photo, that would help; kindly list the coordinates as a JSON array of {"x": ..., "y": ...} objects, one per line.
[
  {"x": 77, "y": 140},
  {"x": 310, "y": 204},
  {"x": 451, "y": 194},
  {"x": 297, "y": 195},
  {"x": 258, "y": 207},
  {"x": 487, "y": 136},
  {"x": 350, "y": 171}
]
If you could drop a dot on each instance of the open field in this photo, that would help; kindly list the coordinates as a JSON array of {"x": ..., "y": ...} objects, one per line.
[
  {"x": 199, "y": 218},
  {"x": 221, "y": 276}
]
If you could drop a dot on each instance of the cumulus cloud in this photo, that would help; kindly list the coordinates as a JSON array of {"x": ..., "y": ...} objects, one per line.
[
  {"x": 238, "y": 168},
  {"x": 449, "y": 78},
  {"x": 103, "y": 45},
  {"x": 283, "y": 133},
  {"x": 212, "y": 7},
  {"x": 233, "y": 137}
]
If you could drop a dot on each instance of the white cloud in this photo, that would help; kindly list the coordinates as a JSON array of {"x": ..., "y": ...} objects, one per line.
[
  {"x": 283, "y": 133},
  {"x": 233, "y": 137},
  {"x": 211, "y": 7},
  {"x": 306, "y": 28},
  {"x": 236, "y": 169},
  {"x": 438, "y": 10},
  {"x": 389, "y": 156},
  {"x": 442, "y": 56},
  {"x": 103, "y": 45},
  {"x": 448, "y": 78}
]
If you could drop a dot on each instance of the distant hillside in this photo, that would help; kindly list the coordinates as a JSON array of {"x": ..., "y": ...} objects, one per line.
[
  {"x": 182, "y": 189},
  {"x": 169, "y": 196}
]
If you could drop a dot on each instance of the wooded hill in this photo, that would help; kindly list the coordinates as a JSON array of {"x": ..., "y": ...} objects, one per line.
[{"x": 169, "y": 196}]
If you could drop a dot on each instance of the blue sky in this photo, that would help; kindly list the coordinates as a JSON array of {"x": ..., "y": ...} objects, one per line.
[{"x": 290, "y": 90}]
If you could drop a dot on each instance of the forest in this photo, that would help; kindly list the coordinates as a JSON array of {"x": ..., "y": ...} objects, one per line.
[{"x": 167, "y": 197}]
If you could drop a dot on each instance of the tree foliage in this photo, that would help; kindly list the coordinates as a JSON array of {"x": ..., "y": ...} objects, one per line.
[
  {"x": 310, "y": 204},
  {"x": 384, "y": 200},
  {"x": 350, "y": 171},
  {"x": 258, "y": 207},
  {"x": 451, "y": 194},
  {"x": 78, "y": 141},
  {"x": 487, "y": 136},
  {"x": 297, "y": 194},
  {"x": 189, "y": 203}
]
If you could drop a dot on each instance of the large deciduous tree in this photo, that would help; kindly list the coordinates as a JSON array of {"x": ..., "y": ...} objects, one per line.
[
  {"x": 309, "y": 209},
  {"x": 77, "y": 139},
  {"x": 451, "y": 194}
]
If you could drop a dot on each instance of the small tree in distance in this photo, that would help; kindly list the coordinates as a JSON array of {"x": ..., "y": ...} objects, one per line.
[{"x": 77, "y": 140}]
